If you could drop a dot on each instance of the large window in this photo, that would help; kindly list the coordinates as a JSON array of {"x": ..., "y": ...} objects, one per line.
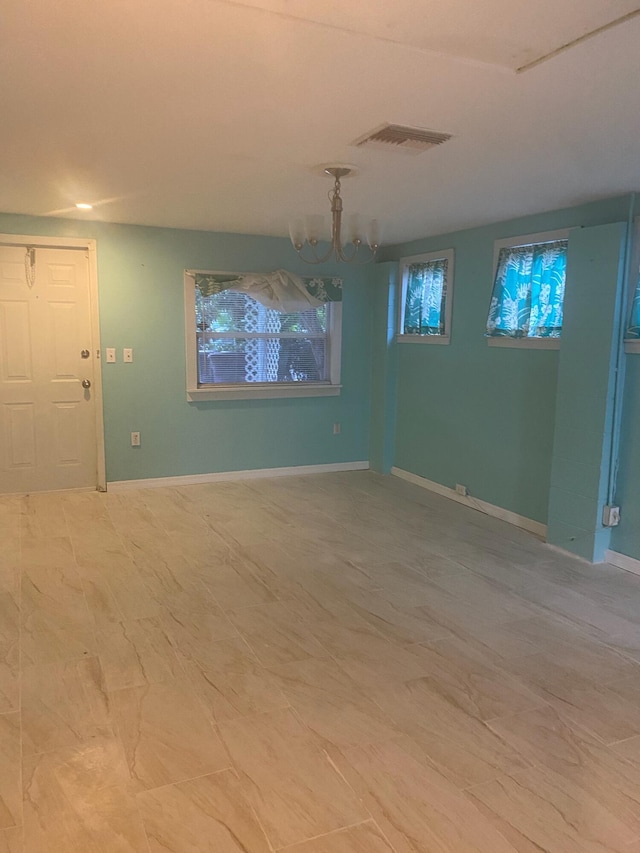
[
  {"x": 241, "y": 348},
  {"x": 426, "y": 298},
  {"x": 528, "y": 290}
]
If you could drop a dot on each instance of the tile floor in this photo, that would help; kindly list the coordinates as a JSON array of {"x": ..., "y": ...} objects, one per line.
[{"x": 341, "y": 663}]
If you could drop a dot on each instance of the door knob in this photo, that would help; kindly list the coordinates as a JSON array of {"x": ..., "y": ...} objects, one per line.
[
  {"x": 85, "y": 353},
  {"x": 86, "y": 383}
]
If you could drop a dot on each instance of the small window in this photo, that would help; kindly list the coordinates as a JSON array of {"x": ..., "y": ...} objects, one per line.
[
  {"x": 528, "y": 291},
  {"x": 426, "y": 298},
  {"x": 632, "y": 332},
  {"x": 239, "y": 348}
]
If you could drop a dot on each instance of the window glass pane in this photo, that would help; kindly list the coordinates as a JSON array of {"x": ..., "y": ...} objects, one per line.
[
  {"x": 426, "y": 293},
  {"x": 528, "y": 292},
  {"x": 223, "y": 312},
  {"x": 633, "y": 332},
  {"x": 240, "y": 341}
]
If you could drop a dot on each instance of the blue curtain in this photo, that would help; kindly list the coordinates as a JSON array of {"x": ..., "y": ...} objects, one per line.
[
  {"x": 426, "y": 295},
  {"x": 528, "y": 292},
  {"x": 633, "y": 332}
]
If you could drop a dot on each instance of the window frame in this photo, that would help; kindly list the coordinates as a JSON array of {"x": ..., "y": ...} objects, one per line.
[
  {"x": 513, "y": 243},
  {"x": 632, "y": 345},
  {"x": 257, "y": 390},
  {"x": 405, "y": 263}
]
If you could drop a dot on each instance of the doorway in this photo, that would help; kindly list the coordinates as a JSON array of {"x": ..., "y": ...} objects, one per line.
[{"x": 51, "y": 425}]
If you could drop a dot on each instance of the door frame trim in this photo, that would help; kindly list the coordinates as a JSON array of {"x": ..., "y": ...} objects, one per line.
[{"x": 90, "y": 245}]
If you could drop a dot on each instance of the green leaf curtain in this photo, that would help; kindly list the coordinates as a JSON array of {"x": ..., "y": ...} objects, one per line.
[
  {"x": 322, "y": 289},
  {"x": 424, "y": 311},
  {"x": 528, "y": 291}
]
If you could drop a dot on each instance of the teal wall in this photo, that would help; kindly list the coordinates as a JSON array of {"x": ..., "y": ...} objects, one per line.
[
  {"x": 463, "y": 413},
  {"x": 586, "y": 382},
  {"x": 140, "y": 276},
  {"x": 626, "y": 537},
  {"x": 473, "y": 414},
  {"x": 383, "y": 289}
]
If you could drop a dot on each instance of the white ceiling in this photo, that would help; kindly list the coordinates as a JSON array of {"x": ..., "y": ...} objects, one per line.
[{"x": 212, "y": 115}]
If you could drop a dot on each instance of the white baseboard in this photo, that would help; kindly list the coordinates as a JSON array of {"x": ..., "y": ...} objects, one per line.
[
  {"x": 223, "y": 476},
  {"x": 629, "y": 564},
  {"x": 482, "y": 506}
]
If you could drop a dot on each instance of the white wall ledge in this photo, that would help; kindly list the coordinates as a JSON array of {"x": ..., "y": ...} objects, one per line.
[{"x": 262, "y": 392}]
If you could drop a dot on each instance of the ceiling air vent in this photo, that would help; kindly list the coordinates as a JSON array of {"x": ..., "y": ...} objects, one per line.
[{"x": 410, "y": 140}]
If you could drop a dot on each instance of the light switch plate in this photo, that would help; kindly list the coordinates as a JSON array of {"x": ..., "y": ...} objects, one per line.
[
  {"x": 127, "y": 355},
  {"x": 111, "y": 355}
]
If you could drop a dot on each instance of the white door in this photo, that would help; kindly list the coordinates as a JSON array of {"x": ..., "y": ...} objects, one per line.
[{"x": 48, "y": 436}]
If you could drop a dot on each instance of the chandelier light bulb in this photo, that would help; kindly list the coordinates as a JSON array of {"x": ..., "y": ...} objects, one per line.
[
  {"x": 296, "y": 233},
  {"x": 314, "y": 228},
  {"x": 373, "y": 234},
  {"x": 354, "y": 230}
]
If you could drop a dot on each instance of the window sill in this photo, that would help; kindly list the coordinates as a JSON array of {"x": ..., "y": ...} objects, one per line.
[
  {"x": 262, "y": 392},
  {"x": 525, "y": 343},
  {"x": 632, "y": 346},
  {"x": 423, "y": 339}
]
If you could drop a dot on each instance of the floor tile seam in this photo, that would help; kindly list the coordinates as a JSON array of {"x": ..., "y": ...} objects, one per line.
[
  {"x": 568, "y": 719},
  {"x": 621, "y": 680},
  {"x": 534, "y": 697},
  {"x": 247, "y": 782},
  {"x": 449, "y": 738},
  {"x": 96, "y": 729},
  {"x": 336, "y": 769},
  {"x": 180, "y": 654},
  {"x": 513, "y": 775},
  {"x": 539, "y": 706},
  {"x": 247, "y": 638},
  {"x": 588, "y": 684},
  {"x": 81, "y": 578},
  {"x": 467, "y": 795},
  {"x": 544, "y": 706},
  {"x": 623, "y": 740},
  {"x": 216, "y": 723},
  {"x": 368, "y": 821},
  {"x": 21, "y": 673},
  {"x": 545, "y": 657},
  {"x": 545, "y": 771},
  {"x": 370, "y": 626},
  {"x": 146, "y": 683},
  {"x": 488, "y": 662},
  {"x": 176, "y": 784},
  {"x": 74, "y": 659},
  {"x": 385, "y": 715}
]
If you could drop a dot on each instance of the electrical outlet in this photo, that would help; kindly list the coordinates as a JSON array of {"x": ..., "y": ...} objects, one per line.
[
  {"x": 336, "y": 429},
  {"x": 135, "y": 439},
  {"x": 611, "y": 516},
  {"x": 127, "y": 355},
  {"x": 462, "y": 490},
  {"x": 111, "y": 355}
]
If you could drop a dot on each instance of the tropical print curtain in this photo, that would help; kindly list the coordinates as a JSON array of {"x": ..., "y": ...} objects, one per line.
[
  {"x": 633, "y": 332},
  {"x": 424, "y": 312},
  {"x": 528, "y": 292}
]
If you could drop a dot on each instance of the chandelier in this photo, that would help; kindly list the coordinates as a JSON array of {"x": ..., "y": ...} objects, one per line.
[{"x": 361, "y": 247}]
